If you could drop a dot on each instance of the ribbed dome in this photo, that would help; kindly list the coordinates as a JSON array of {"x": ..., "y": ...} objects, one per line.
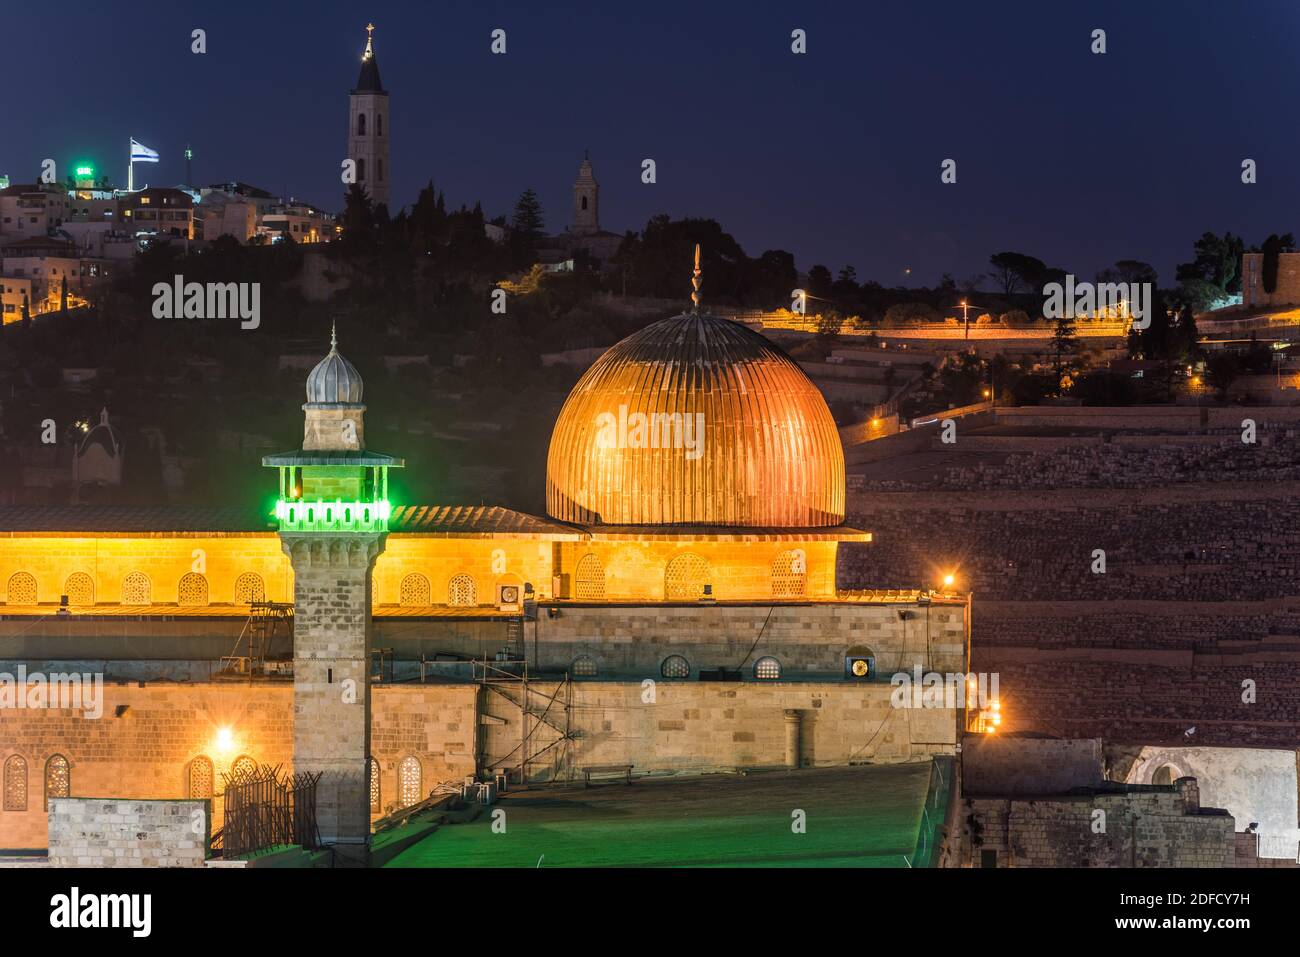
[
  {"x": 627, "y": 450},
  {"x": 334, "y": 380}
]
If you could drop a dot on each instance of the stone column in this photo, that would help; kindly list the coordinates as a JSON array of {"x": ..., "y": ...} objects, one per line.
[
  {"x": 793, "y": 720},
  {"x": 331, "y": 680}
]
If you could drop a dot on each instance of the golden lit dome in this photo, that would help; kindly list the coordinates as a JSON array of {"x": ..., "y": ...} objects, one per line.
[{"x": 696, "y": 420}]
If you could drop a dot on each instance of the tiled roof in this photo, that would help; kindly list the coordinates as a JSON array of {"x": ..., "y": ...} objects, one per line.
[
  {"x": 132, "y": 519},
  {"x": 485, "y": 520}
]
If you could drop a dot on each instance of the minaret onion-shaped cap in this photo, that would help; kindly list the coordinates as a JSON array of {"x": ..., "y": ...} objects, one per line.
[{"x": 334, "y": 381}]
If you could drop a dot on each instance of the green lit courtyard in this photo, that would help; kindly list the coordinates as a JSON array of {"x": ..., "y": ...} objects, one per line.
[{"x": 855, "y": 817}]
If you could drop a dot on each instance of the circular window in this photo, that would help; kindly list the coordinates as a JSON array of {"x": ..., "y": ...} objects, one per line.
[
  {"x": 675, "y": 666},
  {"x": 584, "y": 666},
  {"x": 767, "y": 668}
]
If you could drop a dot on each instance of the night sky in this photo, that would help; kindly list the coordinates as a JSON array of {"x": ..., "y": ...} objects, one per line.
[{"x": 1075, "y": 158}]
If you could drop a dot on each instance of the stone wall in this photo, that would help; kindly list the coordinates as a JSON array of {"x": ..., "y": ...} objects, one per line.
[
  {"x": 96, "y": 832},
  {"x": 807, "y": 639},
  {"x": 151, "y": 734},
  {"x": 1005, "y": 765},
  {"x": 1146, "y": 827},
  {"x": 331, "y": 684},
  {"x": 1254, "y": 785}
]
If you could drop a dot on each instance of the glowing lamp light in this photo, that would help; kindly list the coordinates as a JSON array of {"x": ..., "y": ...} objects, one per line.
[
  {"x": 225, "y": 742},
  {"x": 948, "y": 580}
]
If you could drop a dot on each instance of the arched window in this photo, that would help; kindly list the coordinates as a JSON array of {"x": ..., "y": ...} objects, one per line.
[
  {"x": 136, "y": 589},
  {"x": 192, "y": 590},
  {"x": 584, "y": 666},
  {"x": 379, "y": 124},
  {"x": 22, "y": 589},
  {"x": 415, "y": 590},
  {"x": 361, "y": 124},
  {"x": 584, "y": 202},
  {"x": 361, "y": 170},
  {"x": 767, "y": 668},
  {"x": 790, "y": 574},
  {"x": 589, "y": 582},
  {"x": 249, "y": 588},
  {"x": 58, "y": 779},
  {"x": 461, "y": 592},
  {"x": 408, "y": 781},
  {"x": 243, "y": 769},
  {"x": 675, "y": 666},
  {"x": 1165, "y": 774},
  {"x": 80, "y": 589},
  {"x": 374, "y": 787},
  {"x": 685, "y": 578},
  {"x": 15, "y": 783},
  {"x": 199, "y": 778}
]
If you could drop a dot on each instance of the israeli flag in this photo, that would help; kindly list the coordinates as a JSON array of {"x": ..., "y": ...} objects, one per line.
[{"x": 142, "y": 154}]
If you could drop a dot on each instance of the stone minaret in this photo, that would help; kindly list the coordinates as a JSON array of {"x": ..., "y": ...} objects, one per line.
[
  {"x": 333, "y": 523},
  {"x": 368, "y": 126},
  {"x": 586, "y": 201}
]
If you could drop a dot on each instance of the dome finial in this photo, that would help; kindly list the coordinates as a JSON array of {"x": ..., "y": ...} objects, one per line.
[
  {"x": 696, "y": 282},
  {"x": 334, "y": 338}
]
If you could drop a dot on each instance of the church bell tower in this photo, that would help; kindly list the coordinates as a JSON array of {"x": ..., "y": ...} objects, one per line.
[
  {"x": 333, "y": 523},
  {"x": 368, "y": 126},
  {"x": 586, "y": 201}
]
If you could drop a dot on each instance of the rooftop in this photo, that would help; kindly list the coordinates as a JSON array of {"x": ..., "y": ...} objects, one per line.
[{"x": 869, "y": 816}]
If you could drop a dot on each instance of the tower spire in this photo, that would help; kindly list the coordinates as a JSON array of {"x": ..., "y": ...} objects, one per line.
[
  {"x": 370, "y": 36},
  {"x": 696, "y": 282}
]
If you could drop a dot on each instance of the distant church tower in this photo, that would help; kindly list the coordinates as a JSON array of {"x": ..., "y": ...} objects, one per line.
[
  {"x": 368, "y": 126},
  {"x": 586, "y": 201}
]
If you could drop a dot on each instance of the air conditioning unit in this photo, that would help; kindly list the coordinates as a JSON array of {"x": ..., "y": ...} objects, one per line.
[{"x": 510, "y": 597}]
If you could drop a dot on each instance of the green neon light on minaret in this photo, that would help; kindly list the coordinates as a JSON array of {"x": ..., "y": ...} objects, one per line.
[{"x": 298, "y": 515}]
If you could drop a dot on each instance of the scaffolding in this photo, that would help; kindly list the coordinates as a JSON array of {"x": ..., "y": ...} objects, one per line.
[
  {"x": 543, "y": 730},
  {"x": 251, "y": 656}
]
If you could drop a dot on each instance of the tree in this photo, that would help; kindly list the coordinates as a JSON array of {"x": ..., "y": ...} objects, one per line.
[
  {"x": 1014, "y": 271},
  {"x": 1221, "y": 370},
  {"x": 1065, "y": 342},
  {"x": 527, "y": 229},
  {"x": 1272, "y": 250},
  {"x": 819, "y": 281},
  {"x": 1218, "y": 261}
]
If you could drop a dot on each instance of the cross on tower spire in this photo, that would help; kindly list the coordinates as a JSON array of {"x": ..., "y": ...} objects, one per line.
[{"x": 370, "y": 36}]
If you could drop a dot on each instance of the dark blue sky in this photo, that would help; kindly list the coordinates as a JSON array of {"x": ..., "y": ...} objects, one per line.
[{"x": 1075, "y": 158}]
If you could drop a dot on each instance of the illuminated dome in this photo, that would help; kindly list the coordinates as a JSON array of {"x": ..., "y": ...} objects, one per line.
[
  {"x": 627, "y": 448},
  {"x": 334, "y": 380}
]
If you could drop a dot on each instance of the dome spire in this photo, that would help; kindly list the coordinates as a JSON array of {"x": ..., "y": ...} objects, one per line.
[
  {"x": 696, "y": 282},
  {"x": 334, "y": 338}
]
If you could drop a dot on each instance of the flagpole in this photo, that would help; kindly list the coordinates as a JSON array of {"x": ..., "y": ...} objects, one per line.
[{"x": 130, "y": 168}]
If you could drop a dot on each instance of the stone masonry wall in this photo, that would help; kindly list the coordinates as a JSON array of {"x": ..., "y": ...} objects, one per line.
[
  {"x": 331, "y": 686},
  {"x": 95, "y": 832},
  {"x": 1155, "y": 827},
  {"x": 147, "y": 751}
]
